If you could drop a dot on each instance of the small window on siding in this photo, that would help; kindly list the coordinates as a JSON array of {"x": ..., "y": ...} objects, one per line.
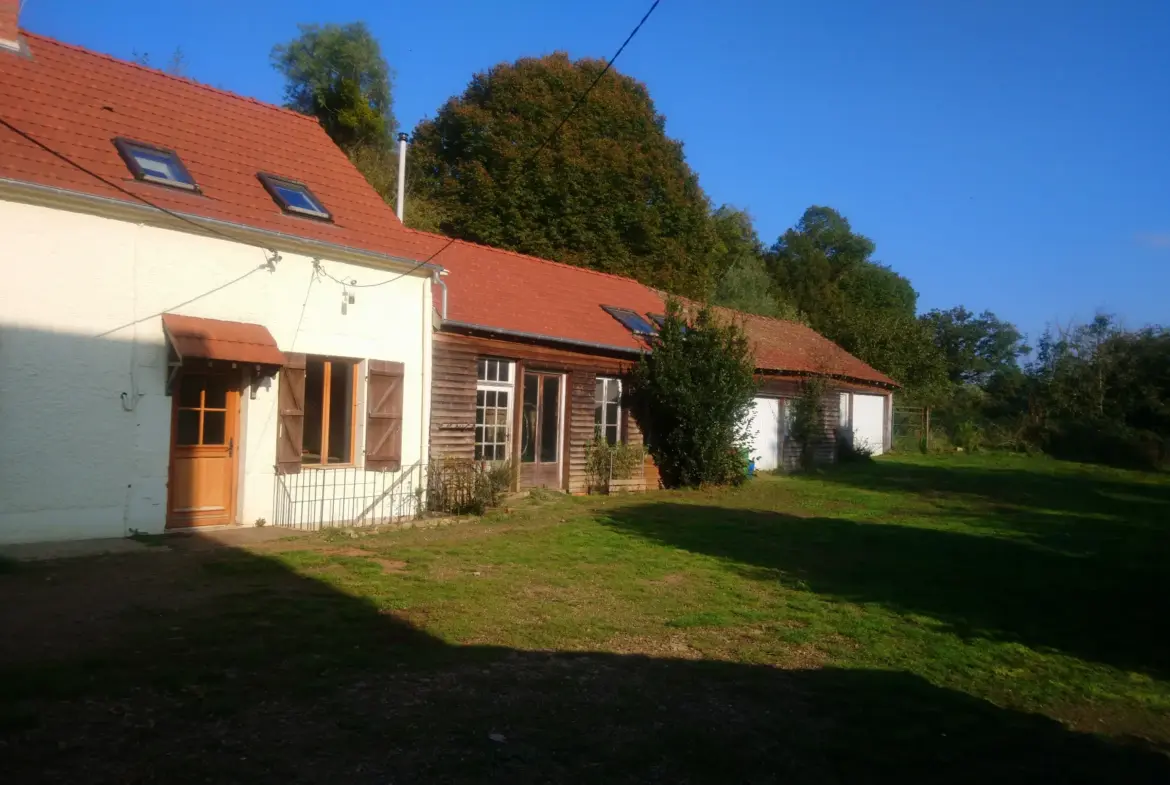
[
  {"x": 493, "y": 409},
  {"x": 294, "y": 197},
  {"x": 607, "y": 408},
  {"x": 155, "y": 164}
]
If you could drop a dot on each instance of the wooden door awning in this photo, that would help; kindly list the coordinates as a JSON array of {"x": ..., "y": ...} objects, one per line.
[{"x": 213, "y": 339}]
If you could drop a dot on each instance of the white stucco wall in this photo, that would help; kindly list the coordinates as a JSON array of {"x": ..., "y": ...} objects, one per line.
[{"x": 74, "y": 463}]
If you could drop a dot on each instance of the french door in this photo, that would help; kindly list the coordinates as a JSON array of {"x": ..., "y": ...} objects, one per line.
[{"x": 540, "y": 430}]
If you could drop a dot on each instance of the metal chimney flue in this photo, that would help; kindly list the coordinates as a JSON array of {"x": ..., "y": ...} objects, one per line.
[{"x": 401, "y": 174}]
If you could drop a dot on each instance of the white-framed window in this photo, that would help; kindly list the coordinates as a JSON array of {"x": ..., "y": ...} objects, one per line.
[
  {"x": 607, "y": 408},
  {"x": 494, "y": 393}
]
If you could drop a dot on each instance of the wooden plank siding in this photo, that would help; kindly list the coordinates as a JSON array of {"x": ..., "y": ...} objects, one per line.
[
  {"x": 825, "y": 449},
  {"x": 453, "y": 400},
  {"x": 581, "y": 428},
  {"x": 453, "y": 397}
]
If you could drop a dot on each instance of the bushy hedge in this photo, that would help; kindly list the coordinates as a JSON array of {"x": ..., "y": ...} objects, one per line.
[
  {"x": 1106, "y": 442},
  {"x": 691, "y": 395},
  {"x": 605, "y": 462},
  {"x": 461, "y": 486}
]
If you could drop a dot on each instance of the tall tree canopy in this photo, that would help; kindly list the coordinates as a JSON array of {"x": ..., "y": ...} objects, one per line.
[
  {"x": 975, "y": 347},
  {"x": 744, "y": 284},
  {"x": 610, "y": 191},
  {"x": 824, "y": 269},
  {"x": 337, "y": 73}
]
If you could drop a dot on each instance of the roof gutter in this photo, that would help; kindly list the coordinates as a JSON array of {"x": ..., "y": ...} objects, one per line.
[{"x": 52, "y": 196}]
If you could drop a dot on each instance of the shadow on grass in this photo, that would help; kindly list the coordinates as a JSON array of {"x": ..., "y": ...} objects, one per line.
[
  {"x": 1109, "y": 607},
  {"x": 1047, "y": 498},
  {"x": 232, "y": 667}
]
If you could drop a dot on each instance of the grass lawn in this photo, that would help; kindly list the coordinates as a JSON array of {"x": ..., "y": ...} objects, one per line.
[{"x": 913, "y": 619}]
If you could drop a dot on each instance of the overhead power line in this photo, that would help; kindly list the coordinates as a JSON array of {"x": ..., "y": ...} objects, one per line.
[
  {"x": 211, "y": 230},
  {"x": 572, "y": 110},
  {"x": 120, "y": 189},
  {"x": 589, "y": 89}
]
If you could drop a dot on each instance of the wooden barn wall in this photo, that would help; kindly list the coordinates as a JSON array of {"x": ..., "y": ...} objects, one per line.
[
  {"x": 453, "y": 397},
  {"x": 581, "y": 428},
  {"x": 453, "y": 401},
  {"x": 825, "y": 446}
]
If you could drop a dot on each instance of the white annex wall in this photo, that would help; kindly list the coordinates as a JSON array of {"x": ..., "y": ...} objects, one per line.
[
  {"x": 764, "y": 425},
  {"x": 869, "y": 422},
  {"x": 84, "y": 419}
]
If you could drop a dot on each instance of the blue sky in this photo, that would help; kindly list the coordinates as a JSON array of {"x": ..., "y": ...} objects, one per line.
[{"x": 1013, "y": 156}]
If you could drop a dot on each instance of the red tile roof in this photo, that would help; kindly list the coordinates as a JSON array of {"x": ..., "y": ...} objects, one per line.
[
  {"x": 76, "y": 101},
  {"x": 495, "y": 289}
]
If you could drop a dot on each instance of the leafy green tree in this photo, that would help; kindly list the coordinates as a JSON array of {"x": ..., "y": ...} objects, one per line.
[
  {"x": 691, "y": 395},
  {"x": 744, "y": 284},
  {"x": 824, "y": 269},
  {"x": 609, "y": 191},
  {"x": 975, "y": 347},
  {"x": 338, "y": 74},
  {"x": 379, "y": 165}
]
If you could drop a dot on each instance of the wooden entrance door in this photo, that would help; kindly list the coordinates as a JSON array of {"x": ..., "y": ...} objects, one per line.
[
  {"x": 204, "y": 442},
  {"x": 540, "y": 431}
]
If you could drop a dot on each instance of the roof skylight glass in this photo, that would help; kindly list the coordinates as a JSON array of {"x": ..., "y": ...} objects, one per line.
[
  {"x": 294, "y": 197},
  {"x": 154, "y": 164},
  {"x": 631, "y": 320}
]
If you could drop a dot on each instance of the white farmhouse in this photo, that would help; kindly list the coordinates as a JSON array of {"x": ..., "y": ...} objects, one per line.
[{"x": 207, "y": 316}]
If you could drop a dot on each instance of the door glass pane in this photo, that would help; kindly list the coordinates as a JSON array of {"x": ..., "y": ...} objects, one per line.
[
  {"x": 187, "y": 430},
  {"x": 216, "y": 397},
  {"x": 528, "y": 422},
  {"x": 550, "y": 419},
  {"x": 190, "y": 390},
  {"x": 214, "y": 427},
  {"x": 340, "y": 412}
]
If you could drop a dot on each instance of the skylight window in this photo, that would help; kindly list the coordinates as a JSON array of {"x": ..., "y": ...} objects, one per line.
[
  {"x": 631, "y": 320},
  {"x": 155, "y": 164},
  {"x": 658, "y": 319},
  {"x": 294, "y": 197}
]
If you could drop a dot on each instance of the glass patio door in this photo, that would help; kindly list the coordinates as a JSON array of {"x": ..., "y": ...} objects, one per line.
[{"x": 540, "y": 431}]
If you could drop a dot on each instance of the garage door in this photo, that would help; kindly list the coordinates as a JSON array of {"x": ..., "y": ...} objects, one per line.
[
  {"x": 764, "y": 428},
  {"x": 869, "y": 422}
]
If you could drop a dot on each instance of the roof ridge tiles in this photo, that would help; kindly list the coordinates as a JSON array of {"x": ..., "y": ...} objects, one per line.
[{"x": 158, "y": 72}]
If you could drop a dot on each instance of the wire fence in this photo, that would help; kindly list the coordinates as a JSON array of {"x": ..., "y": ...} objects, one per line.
[
  {"x": 319, "y": 497},
  {"x": 911, "y": 428}
]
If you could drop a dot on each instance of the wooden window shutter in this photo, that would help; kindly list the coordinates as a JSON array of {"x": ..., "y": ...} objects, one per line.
[
  {"x": 290, "y": 430},
  {"x": 384, "y": 415}
]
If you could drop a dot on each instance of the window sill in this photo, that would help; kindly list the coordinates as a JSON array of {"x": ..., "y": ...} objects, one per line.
[{"x": 330, "y": 466}]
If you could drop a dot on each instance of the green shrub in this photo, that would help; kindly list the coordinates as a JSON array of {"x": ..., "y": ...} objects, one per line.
[
  {"x": 605, "y": 462},
  {"x": 461, "y": 486},
  {"x": 968, "y": 436},
  {"x": 848, "y": 452},
  {"x": 807, "y": 426},
  {"x": 691, "y": 395},
  {"x": 1106, "y": 442}
]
